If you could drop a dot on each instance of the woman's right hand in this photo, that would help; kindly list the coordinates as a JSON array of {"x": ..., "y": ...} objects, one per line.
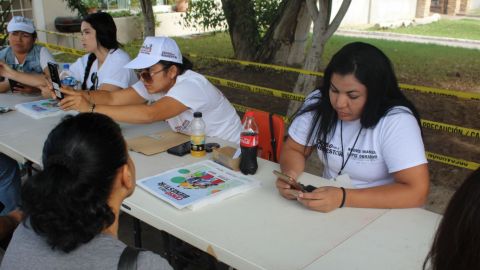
[
  {"x": 74, "y": 100},
  {"x": 5, "y": 70}
]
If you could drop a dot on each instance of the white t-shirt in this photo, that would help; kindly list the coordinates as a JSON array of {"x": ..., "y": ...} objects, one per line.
[
  {"x": 111, "y": 71},
  {"x": 199, "y": 95},
  {"x": 394, "y": 144},
  {"x": 45, "y": 57}
]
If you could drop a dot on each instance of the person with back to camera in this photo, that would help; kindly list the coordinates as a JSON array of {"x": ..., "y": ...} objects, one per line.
[
  {"x": 457, "y": 241},
  {"x": 72, "y": 207},
  {"x": 102, "y": 68},
  {"x": 173, "y": 91},
  {"x": 364, "y": 129},
  {"x": 24, "y": 55}
]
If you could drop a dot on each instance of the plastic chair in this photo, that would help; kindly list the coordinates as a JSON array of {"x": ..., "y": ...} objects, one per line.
[{"x": 269, "y": 143}]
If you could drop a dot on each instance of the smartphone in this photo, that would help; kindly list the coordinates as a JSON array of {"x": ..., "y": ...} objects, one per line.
[
  {"x": 289, "y": 180},
  {"x": 53, "y": 69},
  {"x": 180, "y": 150},
  {"x": 13, "y": 84}
]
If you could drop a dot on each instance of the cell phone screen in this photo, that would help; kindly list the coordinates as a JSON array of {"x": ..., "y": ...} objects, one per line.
[{"x": 53, "y": 69}]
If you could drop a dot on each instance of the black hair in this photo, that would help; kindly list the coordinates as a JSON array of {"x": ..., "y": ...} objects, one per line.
[
  {"x": 457, "y": 241},
  {"x": 106, "y": 34},
  {"x": 67, "y": 201},
  {"x": 186, "y": 65},
  {"x": 373, "y": 69}
]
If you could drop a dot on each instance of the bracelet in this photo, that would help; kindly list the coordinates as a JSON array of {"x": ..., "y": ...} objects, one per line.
[
  {"x": 344, "y": 193},
  {"x": 92, "y": 107}
]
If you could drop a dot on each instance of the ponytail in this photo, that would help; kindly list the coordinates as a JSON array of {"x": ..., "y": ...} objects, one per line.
[{"x": 91, "y": 58}]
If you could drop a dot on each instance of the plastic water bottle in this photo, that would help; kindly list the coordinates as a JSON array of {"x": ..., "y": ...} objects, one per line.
[
  {"x": 249, "y": 145},
  {"x": 66, "y": 77},
  {"x": 197, "y": 135}
]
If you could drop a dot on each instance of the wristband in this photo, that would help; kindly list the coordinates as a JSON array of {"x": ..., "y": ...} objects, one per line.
[{"x": 344, "y": 193}]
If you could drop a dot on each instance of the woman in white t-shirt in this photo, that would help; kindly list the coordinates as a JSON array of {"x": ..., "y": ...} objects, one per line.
[
  {"x": 103, "y": 66},
  {"x": 168, "y": 90},
  {"x": 363, "y": 127}
]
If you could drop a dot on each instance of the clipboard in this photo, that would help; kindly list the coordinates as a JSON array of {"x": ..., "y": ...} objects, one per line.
[{"x": 156, "y": 143}]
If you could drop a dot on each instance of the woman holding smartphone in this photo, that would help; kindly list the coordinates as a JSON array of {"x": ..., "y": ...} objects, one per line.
[
  {"x": 366, "y": 133},
  {"x": 168, "y": 90},
  {"x": 103, "y": 66}
]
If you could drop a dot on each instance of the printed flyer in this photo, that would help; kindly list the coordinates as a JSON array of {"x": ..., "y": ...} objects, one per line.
[{"x": 197, "y": 185}]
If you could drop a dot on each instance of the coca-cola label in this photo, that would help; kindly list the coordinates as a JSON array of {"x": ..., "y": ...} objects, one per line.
[{"x": 249, "y": 140}]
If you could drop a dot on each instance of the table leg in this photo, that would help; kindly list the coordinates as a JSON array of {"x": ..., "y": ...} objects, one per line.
[{"x": 137, "y": 232}]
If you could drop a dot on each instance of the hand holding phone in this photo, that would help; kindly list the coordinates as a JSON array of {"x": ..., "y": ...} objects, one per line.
[
  {"x": 53, "y": 69},
  {"x": 289, "y": 180}
]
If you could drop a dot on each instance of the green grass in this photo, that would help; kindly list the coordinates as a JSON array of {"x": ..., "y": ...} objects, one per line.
[
  {"x": 464, "y": 28},
  {"x": 419, "y": 64}
]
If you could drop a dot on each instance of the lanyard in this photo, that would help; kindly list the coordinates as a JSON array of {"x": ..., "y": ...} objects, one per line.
[{"x": 344, "y": 162}]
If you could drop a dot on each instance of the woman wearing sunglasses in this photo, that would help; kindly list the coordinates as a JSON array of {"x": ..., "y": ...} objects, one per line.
[
  {"x": 103, "y": 66},
  {"x": 168, "y": 90}
]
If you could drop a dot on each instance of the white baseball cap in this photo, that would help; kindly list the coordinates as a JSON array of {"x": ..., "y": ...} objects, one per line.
[
  {"x": 19, "y": 23},
  {"x": 155, "y": 49}
]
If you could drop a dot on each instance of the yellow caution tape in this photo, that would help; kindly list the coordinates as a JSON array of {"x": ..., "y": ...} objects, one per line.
[
  {"x": 453, "y": 161},
  {"x": 255, "y": 89},
  {"x": 62, "y": 49},
  {"x": 248, "y": 63},
  {"x": 441, "y": 92},
  {"x": 57, "y": 33},
  {"x": 467, "y": 132},
  {"x": 409, "y": 87}
]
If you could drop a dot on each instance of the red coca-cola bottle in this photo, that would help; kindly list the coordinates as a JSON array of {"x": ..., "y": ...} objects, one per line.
[{"x": 249, "y": 144}]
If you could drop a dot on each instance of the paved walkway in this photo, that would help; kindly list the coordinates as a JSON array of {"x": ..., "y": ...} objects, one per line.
[{"x": 454, "y": 42}]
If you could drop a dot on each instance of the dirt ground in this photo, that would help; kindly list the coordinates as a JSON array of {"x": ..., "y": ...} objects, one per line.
[{"x": 450, "y": 110}]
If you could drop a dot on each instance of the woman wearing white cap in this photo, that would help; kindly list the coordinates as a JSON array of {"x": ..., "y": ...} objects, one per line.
[
  {"x": 23, "y": 54},
  {"x": 173, "y": 91},
  {"x": 102, "y": 68}
]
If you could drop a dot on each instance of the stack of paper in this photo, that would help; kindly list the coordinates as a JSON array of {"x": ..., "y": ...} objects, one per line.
[
  {"x": 197, "y": 185},
  {"x": 40, "y": 108}
]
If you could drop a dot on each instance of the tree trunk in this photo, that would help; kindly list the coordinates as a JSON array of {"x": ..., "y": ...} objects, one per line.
[
  {"x": 242, "y": 28},
  {"x": 285, "y": 41},
  {"x": 322, "y": 31},
  {"x": 148, "y": 18}
]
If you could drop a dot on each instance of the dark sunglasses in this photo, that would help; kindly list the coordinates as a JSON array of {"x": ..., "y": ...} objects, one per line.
[{"x": 147, "y": 76}]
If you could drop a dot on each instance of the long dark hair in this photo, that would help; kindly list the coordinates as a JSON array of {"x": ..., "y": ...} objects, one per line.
[
  {"x": 67, "y": 201},
  {"x": 372, "y": 68},
  {"x": 457, "y": 241},
  {"x": 106, "y": 34}
]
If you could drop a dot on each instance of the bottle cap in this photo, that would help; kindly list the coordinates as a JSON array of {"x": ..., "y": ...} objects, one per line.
[
  {"x": 197, "y": 114},
  {"x": 66, "y": 66},
  {"x": 249, "y": 114}
]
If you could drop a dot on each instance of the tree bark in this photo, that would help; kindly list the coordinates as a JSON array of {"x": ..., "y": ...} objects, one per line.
[
  {"x": 285, "y": 41},
  {"x": 322, "y": 31},
  {"x": 148, "y": 18},
  {"x": 243, "y": 30}
]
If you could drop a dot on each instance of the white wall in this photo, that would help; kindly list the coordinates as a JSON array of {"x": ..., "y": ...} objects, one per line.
[
  {"x": 363, "y": 12},
  {"x": 474, "y": 4},
  {"x": 44, "y": 13}
]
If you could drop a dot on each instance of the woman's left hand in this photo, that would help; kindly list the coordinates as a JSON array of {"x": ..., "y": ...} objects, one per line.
[
  {"x": 74, "y": 100},
  {"x": 323, "y": 199}
]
